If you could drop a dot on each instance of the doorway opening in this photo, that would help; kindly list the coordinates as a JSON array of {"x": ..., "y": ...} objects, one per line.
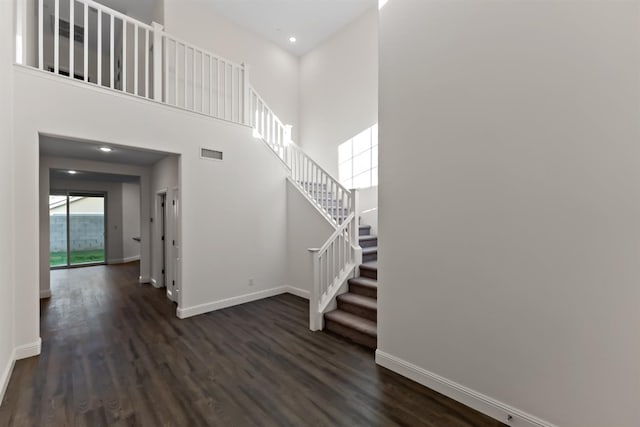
[{"x": 77, "y": 228}]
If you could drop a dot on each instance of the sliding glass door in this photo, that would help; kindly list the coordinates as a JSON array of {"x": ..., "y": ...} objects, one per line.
[{"x": 77, "y": 229}]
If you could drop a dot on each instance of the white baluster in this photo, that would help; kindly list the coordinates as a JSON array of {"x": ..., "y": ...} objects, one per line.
[
  {"x": 86, "y": 43},
  {"x": 72, "y": 26},
  {"x": 211, "y": 85},
  {"x": 185, "y": 76},
  {"x": 135, "y": 58},
  {"x": 157, "y": 63},
  {"x": 193, "y": 81},
  {"x": 99, "y": 46},
  {"x": 56, "y": 36},
  {"x": 202, "y": 82},
  {"x": 146, "y": 64},
  {"x": 40, "y": 34},
  {"x": 175, "y": 75},
  {"x": 245, "y": 93},
  {"x": 124, "y": 56},
  {"x": 112, "y": 30}
]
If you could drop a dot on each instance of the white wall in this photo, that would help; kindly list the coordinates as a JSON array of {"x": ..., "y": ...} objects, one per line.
[
  {"x": 273, "y": 71},
  {"x": 339, "y": 90},
  {"x": 233, "y": 212},
  {"x": 509, "y": 215},
  {"x": 6, "y": 194},
  {"x": 306, "y": 228},
  {"x": 130, "y": 220}
]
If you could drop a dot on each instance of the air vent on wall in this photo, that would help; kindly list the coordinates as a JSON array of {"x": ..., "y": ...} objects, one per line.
[{"x": 210, "y": 154}]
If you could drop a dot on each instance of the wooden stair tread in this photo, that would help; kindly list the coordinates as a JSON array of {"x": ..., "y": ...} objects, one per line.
[
  {"x": 354, "y": 322},
  {"x": 365, "y": 282},
  {"x": 368, "y": 237},
  {"x": 370, "y": 250},
  {"x": 359, "y": 300},
  {"x": 373, "y": 265}
]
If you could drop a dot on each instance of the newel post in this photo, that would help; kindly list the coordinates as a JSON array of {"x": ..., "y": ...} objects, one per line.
[
  {"x": 157, "y": 61},
  {"x": 247, "y": 94},
  {"x": 315, "y": 317}
]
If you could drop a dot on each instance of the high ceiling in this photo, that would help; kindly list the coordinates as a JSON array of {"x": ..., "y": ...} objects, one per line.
[{"x": 310, "y": 21}]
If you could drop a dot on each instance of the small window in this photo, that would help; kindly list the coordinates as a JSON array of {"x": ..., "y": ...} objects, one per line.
[{"x": 358, "y": 159}]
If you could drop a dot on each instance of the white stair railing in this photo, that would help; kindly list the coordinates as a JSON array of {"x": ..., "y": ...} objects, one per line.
[
  {"x": 333, "y": 264},
  {"x": 322, "y": 189}
]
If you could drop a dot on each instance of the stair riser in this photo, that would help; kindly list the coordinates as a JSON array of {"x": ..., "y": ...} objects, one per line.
[
  {"x": 369, "y": 274},
  {"x": 364, "y": 231},
  {"x": 370, "y": 257},
  {"x": 351, "y": 334},
  {"x": 369, "y": 243},
  {"x": 358, "y": 310},
  {"x": 366, "y": 291}
]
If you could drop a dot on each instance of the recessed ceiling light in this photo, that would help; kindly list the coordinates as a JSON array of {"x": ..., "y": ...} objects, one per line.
[
  {"x": 72, "y": 172},
  {"x": 106, "y": 149},
  {"x": 293, "y": 39}
]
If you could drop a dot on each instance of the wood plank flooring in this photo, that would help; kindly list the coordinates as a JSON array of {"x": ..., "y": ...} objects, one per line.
[{"x": 114, "y": 354}]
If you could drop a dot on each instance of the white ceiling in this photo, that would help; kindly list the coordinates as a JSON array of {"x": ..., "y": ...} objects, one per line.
[
  {"x": 310, "y": 21},
  {"x": 89, "y": 150}
]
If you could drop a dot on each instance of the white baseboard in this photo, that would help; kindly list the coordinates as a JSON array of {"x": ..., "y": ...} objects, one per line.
[
  {"x": 28, "y": 350},
  {"x": 123, "y": 260},
  {"x": 478, "y": 401},
  {"x": 183, "y": 313},
  {"x": 154, "y": 283},
  {"x": 302, "y": 293},
  {"x": 6, "y": 375},
  {"x": 144, "y": 279},
  {"x": 45, "y": 293}
]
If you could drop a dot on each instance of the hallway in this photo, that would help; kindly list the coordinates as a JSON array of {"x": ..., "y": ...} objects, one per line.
[{"x": 115, "y": 354}]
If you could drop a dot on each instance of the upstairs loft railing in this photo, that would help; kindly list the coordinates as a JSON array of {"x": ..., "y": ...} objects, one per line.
[{"x": 86, "y": 41}]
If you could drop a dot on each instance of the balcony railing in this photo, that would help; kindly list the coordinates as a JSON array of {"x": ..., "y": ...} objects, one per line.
[{"x": 87, "y": 41}]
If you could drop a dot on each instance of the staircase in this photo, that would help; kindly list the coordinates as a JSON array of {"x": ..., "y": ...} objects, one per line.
[{"x": 356, "y": 315}]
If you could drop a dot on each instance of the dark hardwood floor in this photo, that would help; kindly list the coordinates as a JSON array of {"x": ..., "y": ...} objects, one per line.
[{"x": 115, "y": 354}]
